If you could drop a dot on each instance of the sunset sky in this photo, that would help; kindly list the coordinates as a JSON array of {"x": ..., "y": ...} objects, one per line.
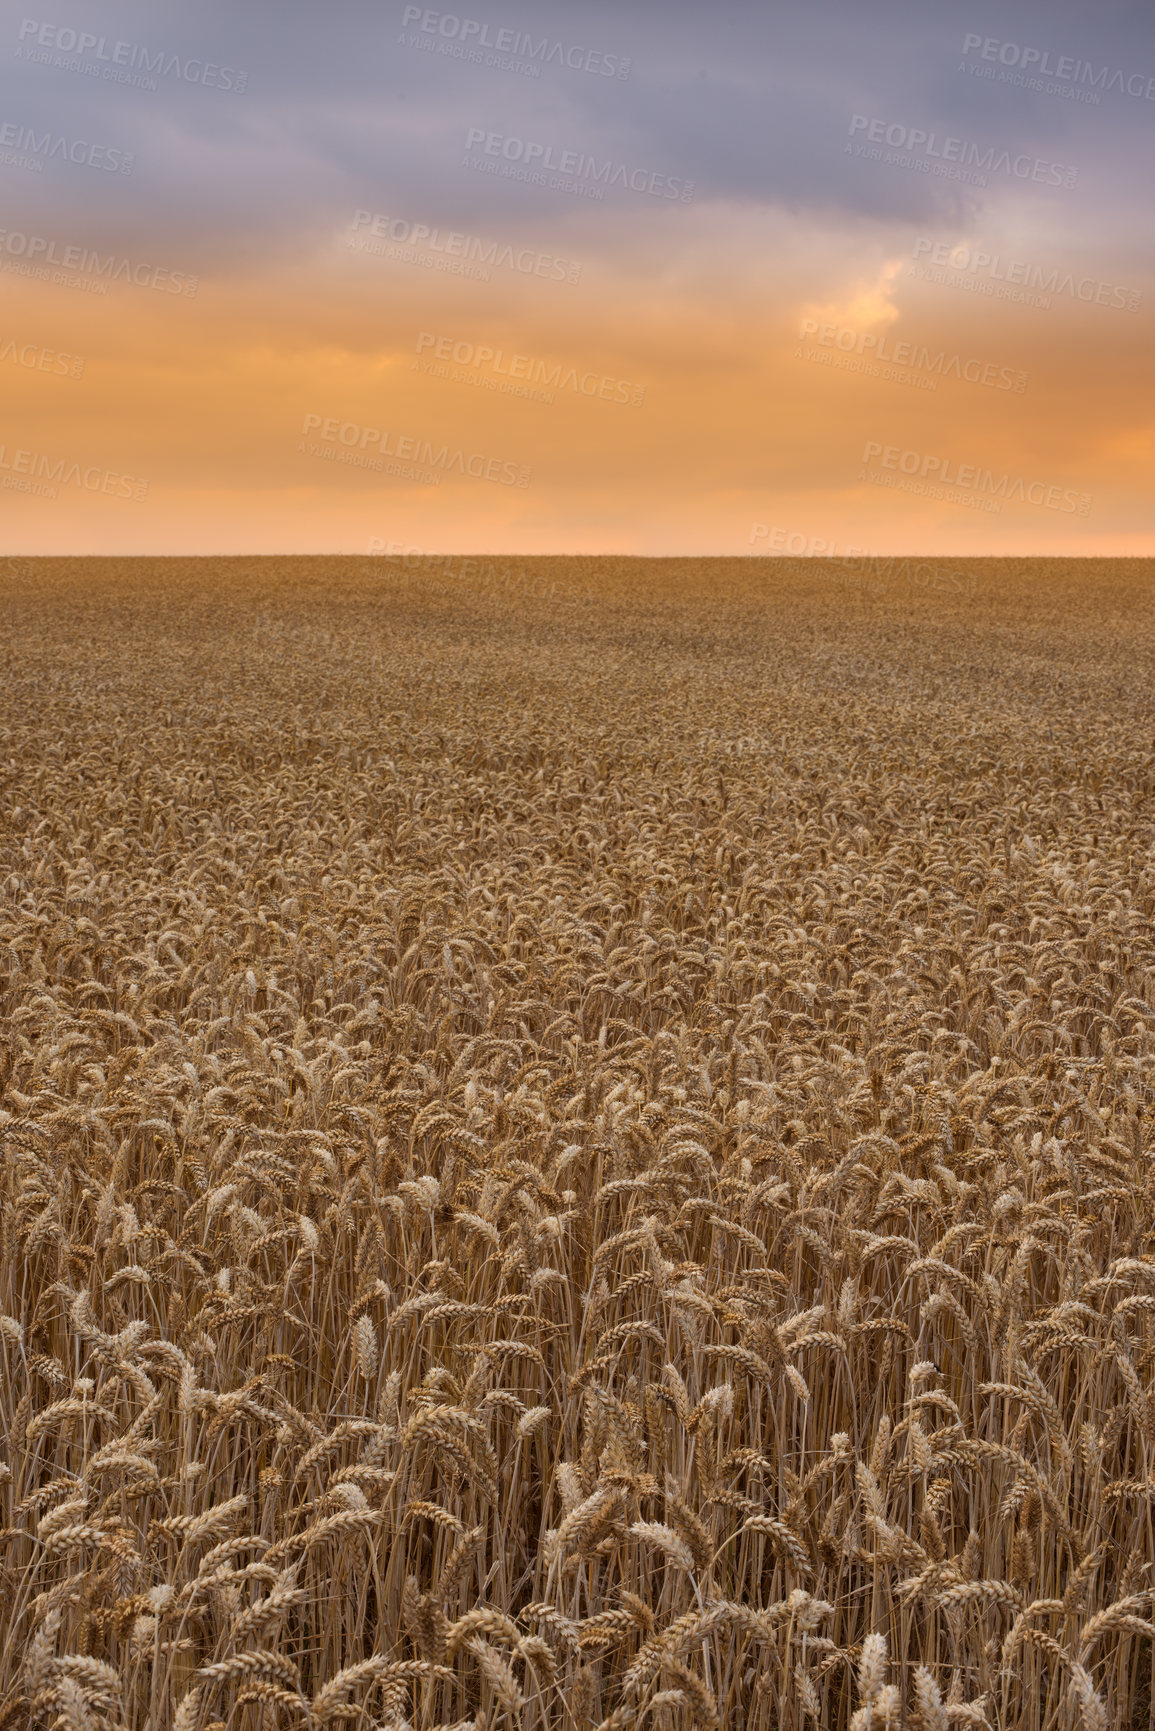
[{"x": 641, "y": 277}]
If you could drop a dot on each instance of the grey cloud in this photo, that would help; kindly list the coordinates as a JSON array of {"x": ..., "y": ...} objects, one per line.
[{"x": 751, "y": 102}]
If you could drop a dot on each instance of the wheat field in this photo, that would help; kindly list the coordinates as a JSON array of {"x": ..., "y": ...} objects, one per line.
[{"x": 576, "y": 1145}]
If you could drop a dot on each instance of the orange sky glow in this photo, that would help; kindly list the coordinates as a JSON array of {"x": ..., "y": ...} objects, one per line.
[{"x": 320, "y": 314}]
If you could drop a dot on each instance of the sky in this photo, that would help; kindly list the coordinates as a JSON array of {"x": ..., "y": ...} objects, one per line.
[{"x": 652, "y": 277}]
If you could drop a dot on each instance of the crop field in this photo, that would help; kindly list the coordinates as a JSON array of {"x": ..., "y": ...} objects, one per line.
[{"x": 577, "y": 1145}]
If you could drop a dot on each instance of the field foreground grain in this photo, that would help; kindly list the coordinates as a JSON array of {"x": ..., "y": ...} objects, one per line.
[{"x": 576, "y": 1145}]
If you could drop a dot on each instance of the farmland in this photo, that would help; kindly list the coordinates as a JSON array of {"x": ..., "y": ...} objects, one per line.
[{"x": 576, "y": 1144}]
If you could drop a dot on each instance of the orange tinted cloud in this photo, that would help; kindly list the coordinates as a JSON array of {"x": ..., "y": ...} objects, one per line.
[{"x": 483, "y": 362}]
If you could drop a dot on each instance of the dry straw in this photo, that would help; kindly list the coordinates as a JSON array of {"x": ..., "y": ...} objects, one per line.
[{"x": 587, "y": 1168}]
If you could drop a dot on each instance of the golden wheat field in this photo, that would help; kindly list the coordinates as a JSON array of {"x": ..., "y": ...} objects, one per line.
[{"x": 577, "y": 1145}]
